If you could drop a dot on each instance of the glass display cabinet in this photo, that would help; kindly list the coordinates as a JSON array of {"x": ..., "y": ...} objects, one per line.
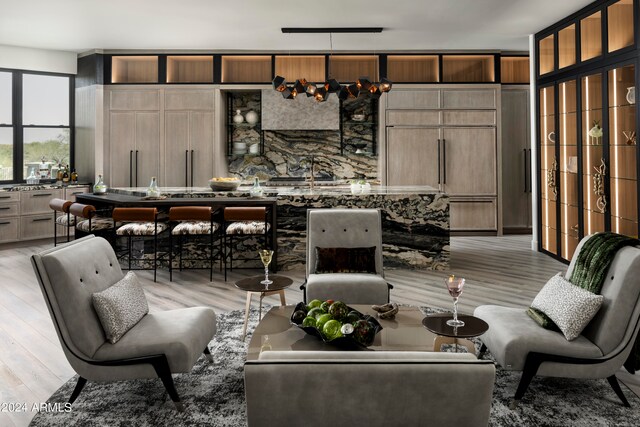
[{"x": 587, "y": 126}]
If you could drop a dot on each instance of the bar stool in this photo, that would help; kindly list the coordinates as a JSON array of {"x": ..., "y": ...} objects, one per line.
[
  {"x": 196, "y": 222},
  {"x": 65, "y": 220},
  {"x": 91, "y": 222},
  {"x": 243, "y": 222},
  {"x": 138, "y": 222}
]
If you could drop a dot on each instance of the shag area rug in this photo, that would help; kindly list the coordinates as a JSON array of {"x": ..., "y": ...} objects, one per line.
[{"x": 213, "y": 395}]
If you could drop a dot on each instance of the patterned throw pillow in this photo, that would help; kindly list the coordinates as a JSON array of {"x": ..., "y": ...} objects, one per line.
[
  {"x": 346, "y": 260},
  {"x": 120, "y": 307},
  {"x": 571, "y": 308}
]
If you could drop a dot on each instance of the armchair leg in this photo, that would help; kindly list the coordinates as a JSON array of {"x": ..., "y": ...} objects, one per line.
[
  {"x": 161, "y": 367},
  {"x": 482, "y": 351},
  {"x": 80, "y": 385},
  {"x": 613, "y": 381},
  {"x": 208, "y": 354},
  {"x": 530, "y": 369}
]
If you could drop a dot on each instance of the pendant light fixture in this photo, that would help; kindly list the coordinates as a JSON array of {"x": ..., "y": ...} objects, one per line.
[{"x": 321, "y": 91}]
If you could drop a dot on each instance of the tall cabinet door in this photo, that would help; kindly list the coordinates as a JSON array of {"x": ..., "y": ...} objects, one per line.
[
  {"x": 201, "y": 150},
  {"x": 122, "y": 135},
  {"x": 469, "y": 161},
  {"x": 623, "y": 174},
  {"x": 516, "y": 160},
  {"x": 413, "y": 156},
  {"x": 548, "y": 170},
  {"x": 147, "y": 156},
  {"x": 176, "y": 138},
  {"x": 567, "y": 139}
]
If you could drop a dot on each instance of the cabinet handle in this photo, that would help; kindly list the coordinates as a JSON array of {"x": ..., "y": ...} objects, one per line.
[
  {"x": 438, "y": 161},
  {"x": 40, "y": 219},
  {"x": 136, "y": 168},
  {"x": 5, "y": 197},
  {"x": 130, "y": 168},
  {"x": 444, "y": 161},
  {"x": 186, "y": 168},
  {"x": 77, "y": 192},
  {"x": 5, "y": 208},
  {"x": 42, "y": 195},
  {"x": 524, "y": 151},
  {"x": 530, "y": 180},
  {"x": 5, "y": 222},
  {"x": 192, "y": 168}
]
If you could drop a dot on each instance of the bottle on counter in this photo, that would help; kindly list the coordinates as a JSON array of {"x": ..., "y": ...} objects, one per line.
[
  {"x": 153, "y": 190},
  {"x": 74, "y": 176},
  {"x": 59, "y": 174},
  {"x": 43, "y": 172},
  {"x": 66, "y": 176},
  {"x": 100, "y": 187},
  {"x": 256, "y": 190}
]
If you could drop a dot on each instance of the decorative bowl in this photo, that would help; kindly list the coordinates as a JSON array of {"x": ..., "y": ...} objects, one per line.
[
  {"x": 358, "y": 117},
  {"x": 224, "y": 184},
  {"x": 346, "y": 341}
]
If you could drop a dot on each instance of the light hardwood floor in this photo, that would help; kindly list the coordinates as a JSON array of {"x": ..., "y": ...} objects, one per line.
[{"x": 499, "y": 270}]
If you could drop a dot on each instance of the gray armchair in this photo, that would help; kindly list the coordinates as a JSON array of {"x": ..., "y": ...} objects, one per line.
[
  {"x": 518, "y": 343},
  {"x": 345, "y": 228},
  {"x": 159, "y": 345}
]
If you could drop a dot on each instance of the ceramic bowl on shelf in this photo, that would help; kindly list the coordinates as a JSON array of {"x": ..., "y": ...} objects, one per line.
[
  {"x": 224, "y": 184},
  {"x": 358, "y": 117}
]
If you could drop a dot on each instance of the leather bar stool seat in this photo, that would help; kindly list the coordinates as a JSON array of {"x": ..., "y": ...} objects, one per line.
[
  {"x": 243, "y": 222},
  {"x": 61, "y": 217},
  {"x": 138, "y": 222},
  {"x": 192, "y": 224}
]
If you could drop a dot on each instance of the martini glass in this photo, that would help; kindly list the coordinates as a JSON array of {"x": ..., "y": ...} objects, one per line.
[
  {"x": 265, "y": 257},
  {"x": 454, "y": 286}
]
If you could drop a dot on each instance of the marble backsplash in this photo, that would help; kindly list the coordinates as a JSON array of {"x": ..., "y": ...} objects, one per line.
[{"x": 288, "y": 152}]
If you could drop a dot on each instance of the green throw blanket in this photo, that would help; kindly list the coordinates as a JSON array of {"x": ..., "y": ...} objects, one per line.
[{"x": 589, "y": 271}]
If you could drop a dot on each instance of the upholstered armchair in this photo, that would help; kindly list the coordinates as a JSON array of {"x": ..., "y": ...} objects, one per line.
[
  {"x": 160, "y": 344},
  {"x": 355, "y": 236},
  {"x": 518, "y": 343}
]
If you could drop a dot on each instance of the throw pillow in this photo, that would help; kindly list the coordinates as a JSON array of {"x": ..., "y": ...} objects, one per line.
[
  {"x": 345, "y": 260},
  {"x": 571, "y": 308},
  {"x": 120, "y": 307}
]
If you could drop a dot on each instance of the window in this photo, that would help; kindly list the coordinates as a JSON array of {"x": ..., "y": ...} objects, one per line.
[
  {"x": 6, "y": 126},
  {"x": 38, "y": 131}
]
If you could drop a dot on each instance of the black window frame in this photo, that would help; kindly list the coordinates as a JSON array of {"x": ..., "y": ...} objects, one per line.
[{"x": 19, "y": 127}]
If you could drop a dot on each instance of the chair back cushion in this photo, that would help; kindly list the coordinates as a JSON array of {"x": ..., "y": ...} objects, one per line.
[
  {"x": 68, "y": 275},
  {"x": 621, "y": 291},
  {"x": 343, "y": 228}
]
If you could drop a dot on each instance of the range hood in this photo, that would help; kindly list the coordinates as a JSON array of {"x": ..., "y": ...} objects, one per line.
[{"x": 302, "y": 113}]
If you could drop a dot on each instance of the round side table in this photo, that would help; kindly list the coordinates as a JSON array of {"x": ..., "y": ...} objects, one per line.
[
  {"x": 445, "y": 334},
  {"x": 252, "y": 286}
]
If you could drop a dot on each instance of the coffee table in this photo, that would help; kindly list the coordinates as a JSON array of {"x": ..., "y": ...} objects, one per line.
[
  {"x": 275, "y": 332},
  {"x": 445, "y": 334},
  {"x": 253, "y": 286}
]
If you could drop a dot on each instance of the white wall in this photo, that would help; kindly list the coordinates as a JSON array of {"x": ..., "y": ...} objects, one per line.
[{"x": 53, "y": 61}]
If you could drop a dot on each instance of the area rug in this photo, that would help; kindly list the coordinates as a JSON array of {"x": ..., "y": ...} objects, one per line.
[{"x": 214, "y": 395}]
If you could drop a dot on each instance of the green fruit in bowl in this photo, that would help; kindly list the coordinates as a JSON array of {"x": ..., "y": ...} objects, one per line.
[
  {"x": 331, "y": 329},
  {"x": 309, "y": 321},
  {"x": 325, "y": 306},
  {"x": 320, "y": 321},
  {"x": 338, "y": 310},
  {"x": 315, "y": 312},
  {"x": 313, "y": 304}
]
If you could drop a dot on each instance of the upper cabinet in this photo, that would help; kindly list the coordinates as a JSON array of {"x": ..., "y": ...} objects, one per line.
[{"x": 599, "y": 32}]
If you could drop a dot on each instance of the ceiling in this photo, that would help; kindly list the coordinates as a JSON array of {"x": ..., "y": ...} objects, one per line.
[{"x": 254, "y": 25}]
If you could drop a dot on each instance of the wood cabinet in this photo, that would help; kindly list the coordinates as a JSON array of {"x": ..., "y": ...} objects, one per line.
[
  {"x": 516, "y": 161},
  {"x": 9, "y": 216},
  {"x": 189, "y": 145},
  {"x": 446, "y": 138},
  {"x": 135, "y": 149},
  {"x": 36, "y": 218}
]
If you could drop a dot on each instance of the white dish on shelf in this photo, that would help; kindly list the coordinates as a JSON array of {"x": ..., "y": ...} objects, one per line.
[
  {"x": 239, "y": 145},
  {"x": 358, "y": 117}
]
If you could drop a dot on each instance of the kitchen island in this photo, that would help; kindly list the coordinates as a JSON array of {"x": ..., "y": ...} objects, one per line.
[{"x": 415, "y": 219}]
